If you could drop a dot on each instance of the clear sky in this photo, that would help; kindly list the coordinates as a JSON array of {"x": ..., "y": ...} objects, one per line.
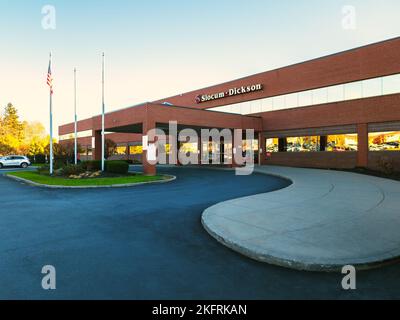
[{"x": 159, "y": 48}]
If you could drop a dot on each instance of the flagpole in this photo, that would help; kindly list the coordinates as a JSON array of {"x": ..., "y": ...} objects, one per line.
[
  {"x": 102, "y": 120},
  {"x": 51, "y": 127},
  {"x": 76, "y": 122}
]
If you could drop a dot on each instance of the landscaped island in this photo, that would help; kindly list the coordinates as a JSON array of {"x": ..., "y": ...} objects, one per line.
[{"x": 88, "y": 174}]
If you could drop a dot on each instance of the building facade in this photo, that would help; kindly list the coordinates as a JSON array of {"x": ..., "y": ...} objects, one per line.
[{"x": 338, "y": 111}]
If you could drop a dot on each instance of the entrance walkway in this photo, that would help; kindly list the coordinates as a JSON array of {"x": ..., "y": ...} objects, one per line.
[{"x": 323, "y": 221}]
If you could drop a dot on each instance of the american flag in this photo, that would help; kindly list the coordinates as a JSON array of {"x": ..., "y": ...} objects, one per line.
[{"x": 50, "y": 79}]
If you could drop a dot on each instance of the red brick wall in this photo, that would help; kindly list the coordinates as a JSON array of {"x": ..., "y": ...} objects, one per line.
[
  {"x": 392, "y": 156},
  {"x": 367, "y": 110},
  {"x": 340, "y": 160},
  {"x": 371, "y": 61}
]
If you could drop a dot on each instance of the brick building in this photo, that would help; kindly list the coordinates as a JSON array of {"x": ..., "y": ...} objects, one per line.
[{"x": 338, "y": 111}]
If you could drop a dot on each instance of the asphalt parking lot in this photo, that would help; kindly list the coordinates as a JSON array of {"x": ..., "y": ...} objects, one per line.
[{"x": 147, "y": 242}]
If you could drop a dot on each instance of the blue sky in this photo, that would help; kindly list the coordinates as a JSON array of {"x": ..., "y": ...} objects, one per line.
[{"x": 160, "y": 48}]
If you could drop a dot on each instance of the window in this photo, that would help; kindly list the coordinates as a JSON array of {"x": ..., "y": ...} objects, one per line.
[
  {"x": 188, "y": 148},
  {"x": 372, "y": 88},
  {"x": 336, "y": 93},
  {"x": 291, "y": 100},
  {"x": 272, "y": 145},
  {"x": 330, "y": 143},
  {"x": 341, "y": 92},
  {"x": 342, "y": 142},
  {"x": 256, "y": 106},
  {"x": 245, "y": 108},
  {"x": 391, "y": 84},
  {"x": 320, "y": 96},
  {"x": 250, "y": 145},
  {"x": 120, "y": 150},
  {"x": 133, "y": 150},
  {"x": 83, "y": 151},
  {"x": 266, "y": 105},
  {"x": 305, "y": 98},
  {"x": 353, "y": 90},
  {"x": 278, "y": 102},
  {"x": 302, "y": 144},
  {"x": 81, "y": 134},
  {"x": 384, "y": 141}
]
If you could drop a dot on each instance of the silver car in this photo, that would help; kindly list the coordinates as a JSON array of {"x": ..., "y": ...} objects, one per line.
[{"x": 14, "y": 161}]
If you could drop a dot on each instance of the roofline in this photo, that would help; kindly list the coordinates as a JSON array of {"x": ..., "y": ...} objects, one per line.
[
  {"x": 173, "y": 106},
  {"x": 288, "y": 66}
]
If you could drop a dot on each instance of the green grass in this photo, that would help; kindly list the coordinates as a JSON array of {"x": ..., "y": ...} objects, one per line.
[{"x": 60, "y": 181}]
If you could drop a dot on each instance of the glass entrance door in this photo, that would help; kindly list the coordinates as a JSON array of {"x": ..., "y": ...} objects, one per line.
[{"x": 216, "y": 153}]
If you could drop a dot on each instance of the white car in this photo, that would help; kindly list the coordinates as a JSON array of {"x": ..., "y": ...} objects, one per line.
[{"x": 14, "y": 161}]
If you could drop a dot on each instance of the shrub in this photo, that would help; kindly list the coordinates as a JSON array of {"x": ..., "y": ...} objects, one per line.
[
  {"x": 119, "y": 167},
  {"x": 72, "y": 169},
  {"x": 59, "y": 164},
  {"x": 93, "y": 165}
]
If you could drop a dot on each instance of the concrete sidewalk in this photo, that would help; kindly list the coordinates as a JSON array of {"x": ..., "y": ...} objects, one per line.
[{"x": 323, "y": 221}]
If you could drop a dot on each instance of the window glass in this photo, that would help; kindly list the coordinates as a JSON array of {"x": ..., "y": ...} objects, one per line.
[
  {"x": 188, "y": 148},
  {"x": 272, "y": 145},
  {"x": 255, "y": 106},
  {"x": 391, "y": 84},
  {"x": 305, "y": 98},
  {"x": 278, "y": 102},
  {"x": 384, "y": 141},
  {"x": 222, "y": 109},
  {"x": 266, "y": 105},
  {"x": 342, "y": 92},
  {"x": 83, "y": 151},
  {"x": 353, "y": 90},
  {"x": 291, "y": 100},
  {"x": 120, "y": 150},
  {"x": 320, "y": 96},
  {"x": 342, "y": 142},
  {"x": 336, "y": 93},
  {"x": 135, "y": 150},
  {"x": 245, "y": 108},
  {"x": 253, "y": 144},
  {"x": 234, "y": 108},
  {"x": 372, "y": 88},
  {"x": 302, "y": 144},
  {"x": 81, "y": 134}
]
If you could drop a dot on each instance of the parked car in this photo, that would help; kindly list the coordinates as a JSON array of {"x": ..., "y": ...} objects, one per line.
[{"x": 14, "y": 161}]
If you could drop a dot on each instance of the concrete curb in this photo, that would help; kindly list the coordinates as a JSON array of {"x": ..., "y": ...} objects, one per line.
[
  {"x": 283, "y": 260},
  {"x": 129, "y": 185},
  {"x": 287, "y": 263}
]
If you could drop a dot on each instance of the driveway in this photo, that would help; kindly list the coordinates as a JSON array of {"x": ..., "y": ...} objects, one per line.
[{"x": 147, "y": 242}]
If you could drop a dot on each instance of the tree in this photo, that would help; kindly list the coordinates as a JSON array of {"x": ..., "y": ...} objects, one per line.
[
  {"x": 16, "y": 137},
  {"x": 12, "y": 124},
  {"x": 36, "y": 146},
  {"x": 33, "y": 130},
  {"x": 110, "y": 147},
  {"x": 35, "y": 140},
  {"x": 11, "y": 130},
  {"x": 63, "y": 152}
]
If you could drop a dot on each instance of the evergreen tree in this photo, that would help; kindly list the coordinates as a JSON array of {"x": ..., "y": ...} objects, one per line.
[{"x": 11, "y": 123}]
